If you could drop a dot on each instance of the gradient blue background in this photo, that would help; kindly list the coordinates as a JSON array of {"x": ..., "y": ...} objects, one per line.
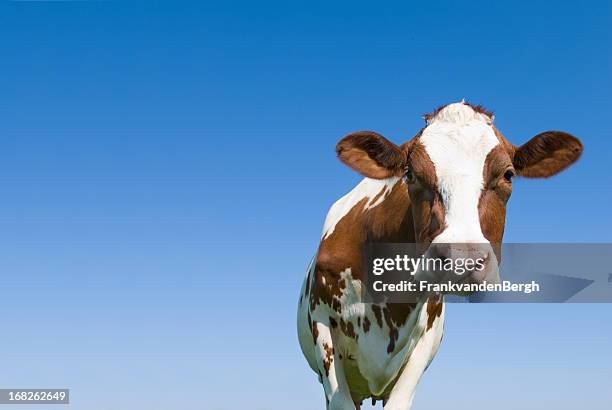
[{"x": 165, "y": 169}]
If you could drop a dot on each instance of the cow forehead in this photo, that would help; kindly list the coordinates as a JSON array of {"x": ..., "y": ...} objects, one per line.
[{"x": 458, "y": 140}]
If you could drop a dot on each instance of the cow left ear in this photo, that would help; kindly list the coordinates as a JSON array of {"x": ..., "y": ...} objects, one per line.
[
  {"x": 371, "y": 154},
  {"x": 547, "y": 154}
]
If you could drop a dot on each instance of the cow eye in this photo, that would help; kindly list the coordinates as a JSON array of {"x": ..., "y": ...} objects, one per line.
[
  {"x": 508, "y": 175},
  {"x": 409, "y": 176}
]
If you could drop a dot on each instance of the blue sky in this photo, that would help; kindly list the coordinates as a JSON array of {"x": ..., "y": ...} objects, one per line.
[{"x": 166, "y": 169}]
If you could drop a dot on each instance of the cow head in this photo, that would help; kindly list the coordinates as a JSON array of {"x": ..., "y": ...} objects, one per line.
[{"x": 458, "y": 171}]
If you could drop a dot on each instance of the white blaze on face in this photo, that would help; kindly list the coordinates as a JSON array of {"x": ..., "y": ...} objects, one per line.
[{"x": 458, "y": 140}]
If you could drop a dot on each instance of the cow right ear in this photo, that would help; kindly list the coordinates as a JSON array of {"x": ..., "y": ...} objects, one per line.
[
  {"x": 371, "y": 154},
  {"x": 547, "y": 154}
]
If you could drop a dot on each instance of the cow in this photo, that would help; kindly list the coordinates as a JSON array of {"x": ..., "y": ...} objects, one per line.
[{"x": 449, "y": 184}]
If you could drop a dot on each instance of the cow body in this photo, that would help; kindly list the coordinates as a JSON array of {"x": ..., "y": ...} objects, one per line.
[
  {"x": 449, "y": 184},
  {"x": 371, "y": 348}
]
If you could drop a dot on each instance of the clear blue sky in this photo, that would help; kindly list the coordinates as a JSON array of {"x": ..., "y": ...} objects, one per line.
[{"x": 165, "y": 170}]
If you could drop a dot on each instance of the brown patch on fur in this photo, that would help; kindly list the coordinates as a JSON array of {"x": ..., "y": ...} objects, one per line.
[
  {"x": 399, "y": 312},
  {"x": 348, "y": 329},
  {"x": 309, "y": 318},
  {"x": 393, "y": 333},
  {"x": 395, "y": 315},
  {"x": 377, "y": 314},
  {"x": 366, "y": 324},
  {"x": 333, "y": 322},
  {"x": 434, "y": 309},
  {"x": 307, "y": 287},
  {"x": 427, "y": 207},
  {"x": 337, "y": 253},
  {"x": 495, "y": 194},
  {"x": 315, "y": 332},
  {"x": 480, "y": 109},
  {"x": 390, "y": 221},
  {"x": 329, "y": 357},
  {"x": 422, "y": 166}
]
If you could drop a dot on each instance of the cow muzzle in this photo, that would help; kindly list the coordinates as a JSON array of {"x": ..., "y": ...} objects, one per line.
[{"x": 473, "y": 263}]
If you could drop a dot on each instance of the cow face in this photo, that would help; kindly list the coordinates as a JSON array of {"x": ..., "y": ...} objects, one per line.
[{"x": 458, "y": 171}]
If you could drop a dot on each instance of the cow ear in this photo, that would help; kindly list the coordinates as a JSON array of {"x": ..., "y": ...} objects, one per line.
[
  {"x": 547, "y": 154},
  {"x": 371, "y": 154}
]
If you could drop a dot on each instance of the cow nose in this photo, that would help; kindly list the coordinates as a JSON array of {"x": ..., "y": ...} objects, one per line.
[
  {"x": 461, "y": 250},
  {"x": 466, "y": 259}
]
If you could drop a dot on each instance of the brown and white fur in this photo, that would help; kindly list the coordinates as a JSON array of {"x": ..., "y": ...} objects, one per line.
[{"x": 448, "y": 184}]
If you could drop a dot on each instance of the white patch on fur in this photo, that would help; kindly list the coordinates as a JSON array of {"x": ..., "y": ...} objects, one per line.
[
  {"x": 421, "y": 355},
  {"x": 458, "y": 140},
  {"x": 367, "y": 188},
  {"x": 351, "y": 296}
]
